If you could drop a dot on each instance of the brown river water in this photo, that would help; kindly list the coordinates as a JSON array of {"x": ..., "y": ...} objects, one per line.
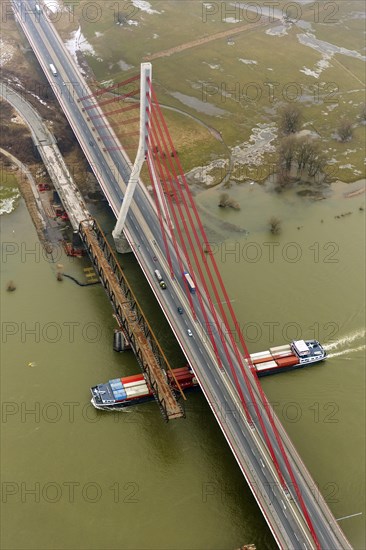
[{"x": 76, "y": 478}]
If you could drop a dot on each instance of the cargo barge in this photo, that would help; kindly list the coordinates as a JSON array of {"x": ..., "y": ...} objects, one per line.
[
  {"x": 132, "y": 390},
  {"x": 298, "y": 354}
]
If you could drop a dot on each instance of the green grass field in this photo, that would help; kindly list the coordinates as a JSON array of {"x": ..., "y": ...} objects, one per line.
[{"x": 247, "y": 94}]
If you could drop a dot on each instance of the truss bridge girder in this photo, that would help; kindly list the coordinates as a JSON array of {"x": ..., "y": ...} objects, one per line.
[{"x": 131, "y": 318}]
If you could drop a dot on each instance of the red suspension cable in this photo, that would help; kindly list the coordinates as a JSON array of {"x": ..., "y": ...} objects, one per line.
[
  {"x": 112, "y": 87},
  {"x": 228, "y": 355},
  {"x": 263, "y": 398}
]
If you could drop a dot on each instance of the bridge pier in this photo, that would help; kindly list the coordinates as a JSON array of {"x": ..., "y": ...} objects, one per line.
[
  {"x": 121, "y": 243},
  {"x": 120, "y": 341}
]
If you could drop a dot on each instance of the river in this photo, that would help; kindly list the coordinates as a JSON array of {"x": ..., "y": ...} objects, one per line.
[{"x": 73, "y": 477}]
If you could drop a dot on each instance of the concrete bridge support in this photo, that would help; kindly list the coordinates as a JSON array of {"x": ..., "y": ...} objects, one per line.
[{"x": 145, "y": 108}]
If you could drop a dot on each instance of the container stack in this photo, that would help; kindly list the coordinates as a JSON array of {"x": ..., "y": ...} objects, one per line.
[
  {"x": 136, "y": 389},
  {"x": 132, "y": 378},
  {"x": 131, "y": 387},
  {"x": 266, "y": 366},
  {"x": 261, "y": 357},
  {"x": 184, "y": 376},
  {"x": 287, "y": 361},
  {"x": 276, "y": 358},
  {"x": 284, "y": 356},
  {"x": 281, "y": 351},
  {"x": 118, "y": 390}
]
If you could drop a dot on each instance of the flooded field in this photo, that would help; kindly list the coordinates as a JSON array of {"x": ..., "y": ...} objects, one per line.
[{"x": 236, "y": 82}]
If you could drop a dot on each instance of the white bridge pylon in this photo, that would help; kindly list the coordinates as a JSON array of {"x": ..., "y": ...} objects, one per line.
[{"x": 141, "y": 156}]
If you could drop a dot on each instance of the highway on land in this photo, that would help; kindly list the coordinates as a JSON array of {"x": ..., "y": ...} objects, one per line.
[{"x": 112, "y": 170}]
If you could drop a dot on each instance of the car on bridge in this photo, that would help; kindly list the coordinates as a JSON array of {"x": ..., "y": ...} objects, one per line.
[
  {"x": 189, "y": 332},
  {"x": 180, "y": 310}
]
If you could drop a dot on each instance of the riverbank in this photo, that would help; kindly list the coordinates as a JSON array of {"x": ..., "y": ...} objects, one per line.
[{"x": 30, "y": 194}]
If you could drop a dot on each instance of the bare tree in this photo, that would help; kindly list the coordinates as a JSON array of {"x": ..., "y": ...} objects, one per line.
[
  {"x": 305, "y": 151},
  {"x": 290, "y": 119},
  {"x": 275, "y": 225},
  {"x": 287, "y": 152},
  {"x": 283, "y": 176},
  {"x": 316, "y": 163},
  {"x": 345, "y": 130}
]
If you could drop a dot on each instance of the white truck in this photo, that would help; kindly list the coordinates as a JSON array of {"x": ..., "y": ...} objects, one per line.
[
  {"x": 53, "y": 69},
  {"x": 190, "y": 283}
]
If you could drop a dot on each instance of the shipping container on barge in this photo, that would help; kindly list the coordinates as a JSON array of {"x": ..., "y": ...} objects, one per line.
[
  {"x": 132, "y": 390},
  {"x": 298, "y": 354}
]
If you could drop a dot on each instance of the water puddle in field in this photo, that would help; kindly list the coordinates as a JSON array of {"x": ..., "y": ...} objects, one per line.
[
  {"x": 124, "y": 66},
  {"x": 326, "y": 48},
  {"x": 144, "y": 6},
  {"x": 198, "y": 105},
  {"x": 280, "y": 30}
]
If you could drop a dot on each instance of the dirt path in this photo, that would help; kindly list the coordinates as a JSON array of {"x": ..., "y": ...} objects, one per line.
[
  {"x": 29, "y": 192},
  {"x": 206, "y": 39}
]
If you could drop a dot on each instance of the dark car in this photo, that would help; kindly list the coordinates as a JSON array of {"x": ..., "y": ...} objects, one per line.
[{"x": 180, "y": 310}]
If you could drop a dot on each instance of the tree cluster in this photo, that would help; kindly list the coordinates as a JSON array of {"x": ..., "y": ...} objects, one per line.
[
  {"x": 33, "y": 90},
  {"x": 16, "y": 139},
  {"x": 302, "y": 153}
]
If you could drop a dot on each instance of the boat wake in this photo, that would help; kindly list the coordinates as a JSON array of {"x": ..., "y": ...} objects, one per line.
[
  {"x": 346, "y": 352},
  {"x": 110, "y": 409},
  {"x": 334, "y": 349},
  {"x": 348, "y": 339}
]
